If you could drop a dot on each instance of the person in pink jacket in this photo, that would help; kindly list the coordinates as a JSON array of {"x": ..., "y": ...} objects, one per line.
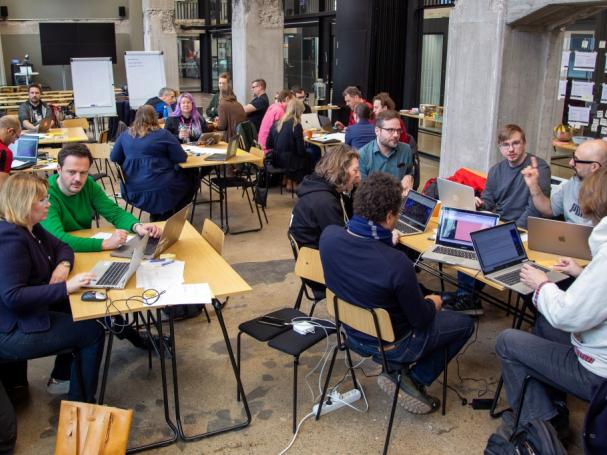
[{"x": 274, "y": 112}]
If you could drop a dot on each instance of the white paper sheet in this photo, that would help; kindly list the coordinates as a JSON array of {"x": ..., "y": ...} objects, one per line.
[
  {"x": 186, "y": 294},
  {"x": 196, "y": 150},
  {"x": 565, "y": 59},
  {"x": 584, "y": 61},
  {"x": 107, "y": 235},
  {"x": 582, "y": 90},
  {"x": 562, "y": 89},
  {"x": 160, "y": 275},
  {"x": 603, "y": 95},
  {"x": 579, "y": 115}
]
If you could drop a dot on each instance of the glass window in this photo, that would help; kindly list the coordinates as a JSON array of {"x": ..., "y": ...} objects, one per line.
[
  {"x": 188, "y": 50},
  {"x": 432, "y": 61},
  {"x": 301, "y": 56},
  {"x": 298, "y": 7},
  {"x": 186, "y": 9},
  {"x": 221, "y": 55},
  {"x": 578, "y": 41},
  {"x": 219, "y": 12}
]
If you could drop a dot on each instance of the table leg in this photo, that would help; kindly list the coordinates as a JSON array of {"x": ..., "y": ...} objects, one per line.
[{"x": 196, "y": 437}]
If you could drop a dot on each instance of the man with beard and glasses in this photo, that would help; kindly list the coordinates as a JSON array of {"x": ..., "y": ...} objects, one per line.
[{"x": 588, "y": 158}]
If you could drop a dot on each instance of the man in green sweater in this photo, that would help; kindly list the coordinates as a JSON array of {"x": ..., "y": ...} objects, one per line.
[{"x": 74, "y": 196}]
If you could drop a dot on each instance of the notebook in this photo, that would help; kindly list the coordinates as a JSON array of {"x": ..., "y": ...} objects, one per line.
[
  {"x": 415, "y": 213},
  {"x": 501, "y": 255},
  {"x": 453, "y": 243},
  {"x": 156, "y": 246},
  {"x": 229, "y": 153},
  {"x": 559, "y": 237},
  {"x": 453, "y": 194},
  {"x": 25, "y": 152},
  {"x": 115, "y": 275}
]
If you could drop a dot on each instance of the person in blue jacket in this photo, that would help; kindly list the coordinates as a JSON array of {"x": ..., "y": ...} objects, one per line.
[
  {"x": 164, "y": 103},
  {"x": 150, "y": 157},
  {"x": 34, "y": 309}
]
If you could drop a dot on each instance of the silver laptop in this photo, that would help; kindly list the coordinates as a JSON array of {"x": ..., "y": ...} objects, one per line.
[
  {"x": 415, "y": 213},
  {"x": 25, "y": 152},
  {"x": 156, "y": 246},
  {"x": 310, "y": 121},
  {"x": 559, "y": 237},
  {"x": 501, "y": 255},
  {"x": 229, "y": 153},
  {"x": 453, "y": 243},
  {"x": 115, "y": 275},
  {"x": 453, "y": 194}
]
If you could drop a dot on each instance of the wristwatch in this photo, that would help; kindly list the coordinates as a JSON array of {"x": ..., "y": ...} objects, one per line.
[
  {"x": 133, "y": 228},
  {"x": 68, "y": 264}
]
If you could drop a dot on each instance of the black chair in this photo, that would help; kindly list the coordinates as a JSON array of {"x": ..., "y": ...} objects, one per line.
[
  {"x": 124, "y": 191},
  {"x": 285, "y": 339},
  {"x": 373, "y": 322},
  {"x": 416, "y": 162}
]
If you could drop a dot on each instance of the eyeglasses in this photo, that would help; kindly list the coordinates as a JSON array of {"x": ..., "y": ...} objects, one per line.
[
  {"x": 577, "y": 161},
  {"x": 300, "y": 97},
  {"x": 392, "y": 130},
  {"x": 513, "y": 144}
]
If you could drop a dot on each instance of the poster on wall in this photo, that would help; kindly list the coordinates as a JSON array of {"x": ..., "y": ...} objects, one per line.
[
  {"x": 584, "y": 61},
  {"x": 582, "y": 91},
  {"x": 579, "y": 115},
  {"x": 604, "y": 94}
]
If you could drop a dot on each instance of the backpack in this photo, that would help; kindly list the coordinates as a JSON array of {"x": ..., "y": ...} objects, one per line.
[{"x": 534, "y": 438}]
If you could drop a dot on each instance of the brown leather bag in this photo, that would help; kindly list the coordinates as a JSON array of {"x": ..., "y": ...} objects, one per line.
[{"x": 90, "y": 429}]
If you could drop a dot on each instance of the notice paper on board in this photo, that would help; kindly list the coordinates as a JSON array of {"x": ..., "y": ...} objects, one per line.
[
  {"x": 562, "y": 89},
  {"x": 584, "y": 61},
  {"x": 582, "y": 91},
  {"x": 604, "y": 94},
  {"x": 565, "y": 59},
  {"x": 579, "y": 115}
]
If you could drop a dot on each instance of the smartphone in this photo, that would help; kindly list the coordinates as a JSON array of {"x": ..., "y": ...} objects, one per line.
[{"x": 270, "y": 320}]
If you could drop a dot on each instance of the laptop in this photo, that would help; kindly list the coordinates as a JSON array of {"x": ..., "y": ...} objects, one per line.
[
  {"x": 501, "y": 255},
  {"x": 229, "y": 153},
  {"x": 44, "y": 125},
  {"x": 559, "y": 237},
  {"x": 25, "y": 152},
  {"x": 310, "y": 121},
  {"x": 415, "y": 213},
  {"x": 453, "y": 243},
  {"x": 156, "y": 246},
  {"x": 115, "y": 275},
  {"x": 453, "y": 194},
  {"x": 208, "y": 139}
]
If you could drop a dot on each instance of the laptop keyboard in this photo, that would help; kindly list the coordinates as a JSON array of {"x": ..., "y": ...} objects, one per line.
[
  {"x": 405, "y": 228},
  {"x": 113, "y": 274},
  {"x": 455, "y": 252},
  {"x": 514, "y": 277}
]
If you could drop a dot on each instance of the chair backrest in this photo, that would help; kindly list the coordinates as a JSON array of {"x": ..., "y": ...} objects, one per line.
[
  {"x": 294, "y": 246},
  {"x": 75, "y": 122},
  {"x": 89, "y": 428},
  {"x": 247, "y": 135},
  {"x": 214, "y": 235},
  {"x": 416, "y": 163},
  {"x": 120, "y": 173},
  {"x": 99, "y": 151},
  {"x": 360, "y": 318},
  {"x": 308, "y": 265},
  {"x": 104, "y": 136}
]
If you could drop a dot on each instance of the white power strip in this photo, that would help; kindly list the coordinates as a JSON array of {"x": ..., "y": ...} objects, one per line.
[{"x": 337, "y": 400}]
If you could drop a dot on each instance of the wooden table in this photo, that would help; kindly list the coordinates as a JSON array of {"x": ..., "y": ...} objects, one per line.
[
  {"x": 241, "y": 157},
  {"x": 63, "y": 135},
  {"x": 325, "y": 107},
  {"x": 321, "y": 145},
  {"x": 428, "y": 138},
  {"x": 202, "y": 265},
  {"x": 569, "y": 146}
]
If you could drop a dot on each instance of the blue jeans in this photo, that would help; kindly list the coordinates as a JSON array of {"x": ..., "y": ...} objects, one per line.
[
  {"x": 426, "y": 347},
  {"x": 548, "y": 357},
  {"x": 86, "y": 336}
]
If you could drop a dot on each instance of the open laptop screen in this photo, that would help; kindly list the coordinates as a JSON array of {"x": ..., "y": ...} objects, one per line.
[
  {"x": 417, "y": 209},
  {"x": 455, "y": 226},
  {"x": 499, "y": 247},
  {"x": 25, "y": 148}
]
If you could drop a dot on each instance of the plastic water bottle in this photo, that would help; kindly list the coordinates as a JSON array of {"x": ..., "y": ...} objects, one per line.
[{"x": 320, "y": 90}]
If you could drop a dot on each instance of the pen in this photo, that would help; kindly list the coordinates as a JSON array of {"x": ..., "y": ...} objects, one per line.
[{"x": 167, "y": 263}]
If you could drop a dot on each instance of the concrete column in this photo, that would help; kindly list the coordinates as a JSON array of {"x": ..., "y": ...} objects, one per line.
[
  {"x": 3, "y": 79},
  {"x": 257, "y": 46},
  {"x": 503, "y": 65},
  {"x": 159, "y": 34}
]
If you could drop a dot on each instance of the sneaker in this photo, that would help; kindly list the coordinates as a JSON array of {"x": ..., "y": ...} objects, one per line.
[
  {"x": 465, "y": 304},
  {"x": 58, "y": 386},
  {"x": 412, "y": 396}
]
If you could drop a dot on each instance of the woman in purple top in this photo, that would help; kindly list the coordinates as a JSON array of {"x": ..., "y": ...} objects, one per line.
[{"x": 185, "y": 122}]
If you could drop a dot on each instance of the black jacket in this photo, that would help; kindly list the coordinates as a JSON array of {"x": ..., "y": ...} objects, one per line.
[
  {"x": 319, "y": 205},
  {"x": 289, "y": 150}
]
